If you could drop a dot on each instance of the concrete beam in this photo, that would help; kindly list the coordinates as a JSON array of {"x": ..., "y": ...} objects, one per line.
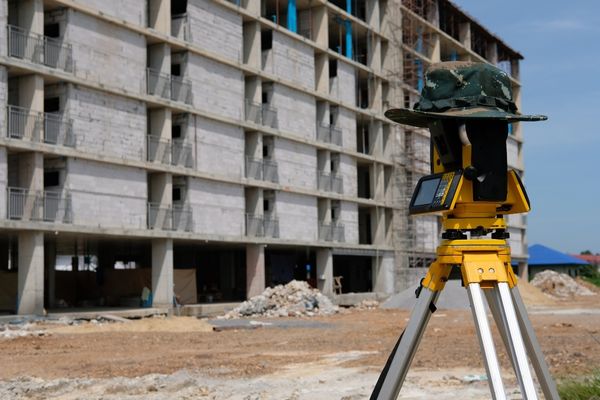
[
  {"x": 383, "y": 274},
  {"x": 255, "y": 269},
  {"x": 162, "y": 273},
  {"x": 30, "y": 292},
  {"x": 31, "y": 15}
]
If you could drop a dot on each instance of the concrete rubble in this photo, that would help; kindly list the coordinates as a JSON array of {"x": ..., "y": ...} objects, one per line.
[
  {"x": 296, "y": 299},
  {"x": 559, "y": 285}
]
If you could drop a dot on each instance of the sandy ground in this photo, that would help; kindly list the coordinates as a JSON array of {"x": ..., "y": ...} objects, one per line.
[{"x": 335, "y": 357}]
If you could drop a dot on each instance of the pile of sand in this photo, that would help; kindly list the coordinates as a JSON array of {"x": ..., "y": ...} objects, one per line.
[{"x": 559, "y": 285}]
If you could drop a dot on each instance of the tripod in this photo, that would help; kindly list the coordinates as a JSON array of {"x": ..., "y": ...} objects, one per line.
[{"x": 486, "y": 271}]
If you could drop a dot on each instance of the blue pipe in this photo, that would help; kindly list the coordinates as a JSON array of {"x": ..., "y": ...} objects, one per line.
[
  {"x": 348, "y": 24},
  {"x": 418, "y": 61},
  {"x": 292, "y": 17}
]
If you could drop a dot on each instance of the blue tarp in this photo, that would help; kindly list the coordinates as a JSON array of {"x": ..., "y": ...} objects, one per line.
[{"x": 542, "y": 255}]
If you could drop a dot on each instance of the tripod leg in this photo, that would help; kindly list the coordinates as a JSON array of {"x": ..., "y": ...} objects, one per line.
[
  {"x": 390, "y": 381},
  {"x": 493, "y": 299},
  {"x": 528, "y": 389},
  {"x": 535, "y": 352},
  {"x": 485, "y": 341}
]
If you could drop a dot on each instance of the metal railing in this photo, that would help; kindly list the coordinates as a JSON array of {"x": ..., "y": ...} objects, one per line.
[
  {"x": 254, "y": 225},
  {"x": 260, "y": 114},
  {"x": 330, "y": 183},
  {"x": 329, "y": 134},
  {"x": 168, "y": 86},
  {"x": 331, "y": 232},
  {"x": 175, "y": 218},
  {"x": 182, "y": 153},
  {"x": 337, "y": 184},
  {"x": 269, "y": 116},
  {"x": 31, "y": 125},
  {"x": 49, "y": 206},
  {"x": 158, "y": 149},
  {"x": 270, "y": 172},
  {"x": 254, "y": 168},
  {"x": 271, "y": 226},
  {"x": 39, "y": 49}
]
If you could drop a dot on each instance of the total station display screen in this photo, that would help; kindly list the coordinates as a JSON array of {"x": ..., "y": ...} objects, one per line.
[{"x": 427, "y": 190}]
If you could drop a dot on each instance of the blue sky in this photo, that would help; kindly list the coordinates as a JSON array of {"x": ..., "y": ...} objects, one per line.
[{"x": 561, "y": 78}]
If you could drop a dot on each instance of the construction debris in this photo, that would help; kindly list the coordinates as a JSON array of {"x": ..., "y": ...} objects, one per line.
[
  {"x": 296, "y": 299},
  {"x": 559, "y": 285}
]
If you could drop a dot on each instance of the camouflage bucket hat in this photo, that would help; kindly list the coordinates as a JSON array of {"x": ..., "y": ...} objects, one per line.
[{"x": 463, "y": 90}]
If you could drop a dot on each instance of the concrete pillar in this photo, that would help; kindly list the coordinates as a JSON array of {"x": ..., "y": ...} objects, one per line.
[
  {"x": 252, "y": 52},
  {"x": 30, "y": 294},
  {"x": 464, "y": 34},
  {"x": 162, "y": 272},
  {"x": 492, "y": 52},
  {"x": 31, "y": 92},
  {"x": 159, "y": 15},
  {"x": 159, "y": 58},
  {"x": 255, "y": 269},
  {"x": 383, "y": 274},
  {"x": 31, "y": 15},
  {"x": 524, "y": 271},
  {"x": 320, "y": 28},
  {"x": 325, "y": 271},
  {"x": 322, "y": 73},
  {"x": 374, "y": 50},
  {"x": 253, "y": 6},
  {"x": 373, "y": 14},
  {"x": 253, "y": 89}
]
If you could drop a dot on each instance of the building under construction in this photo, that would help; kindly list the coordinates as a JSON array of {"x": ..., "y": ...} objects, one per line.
[{"x": 197, "y": 151}]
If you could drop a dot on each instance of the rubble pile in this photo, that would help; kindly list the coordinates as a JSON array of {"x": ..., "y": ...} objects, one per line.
[
  {"x": 367, "y": 305},
  {"x": 296, "y": 299},
  {"x": 559, "y": 285}
]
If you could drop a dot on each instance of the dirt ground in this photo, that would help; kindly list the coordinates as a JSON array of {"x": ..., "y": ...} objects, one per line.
[{"x": 334, "y": 357}]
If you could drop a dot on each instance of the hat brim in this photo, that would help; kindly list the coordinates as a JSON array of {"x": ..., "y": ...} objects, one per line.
[{"x": 423, "y": 118}]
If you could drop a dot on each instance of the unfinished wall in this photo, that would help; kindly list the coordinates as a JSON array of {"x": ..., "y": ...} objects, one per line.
[
  {"x": 344, "y": 85},
  {"x": 216, "y": 88},
  {"x": 516, "y": 242},
  {"x": 349, "y": 217},
  {"x": 291, "y": 60},
  {"x": 101, "y": 49},
  {"x": 297, "y": 216},
  {"x": 107, "y": 195},
  {"x": 215, "y": 28},
  {"x": 218, "y": 208},
  {"x": 512, "y": 150},
  {"x": 297, "y": 164},
  {"x": 426, "y": 230},
  {"x": 348, "y": 173},
  {"x": 296, "y": 111},
  {"x": 133, "y": 11},
  {"x": 346, "y": 121},
  {"x": 105, "y": 124},
  {"x": 219, "y": 147}
]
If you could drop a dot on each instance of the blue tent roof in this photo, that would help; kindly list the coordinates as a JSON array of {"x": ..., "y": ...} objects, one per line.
[{"x": 542, "y": 255}]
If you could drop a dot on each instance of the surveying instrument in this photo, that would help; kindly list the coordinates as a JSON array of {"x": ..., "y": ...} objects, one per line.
[{"x": 467, "y": 108}]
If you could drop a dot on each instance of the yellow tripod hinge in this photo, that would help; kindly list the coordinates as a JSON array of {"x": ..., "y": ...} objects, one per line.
[
  {"x": 436, "y": 276},
  {"x": 487, "y": 269}
]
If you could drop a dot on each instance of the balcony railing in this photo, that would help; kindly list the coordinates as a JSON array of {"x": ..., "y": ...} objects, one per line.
[
  {"x": 168, "y": 86},
  {"x": 330, "y": 183},
  {"x": 254, "y": 168},
  {"x": 270, "y": 171},
  {"x": 329, "y": 134},
  {"x": 262, "y": 225},
  {"x": 271, "y": 226},
  {"x": 158, "y": 149},
  {"x": 175, "y": 218},
  {"x": 49, "y": 206},
  {"x": 332, "y": 232},
  {"x": 261, "y": 114},
  {"x": 182, "y": 153},
  {"x": 39, "y": 49},
  {"x": 31, "y": 125}
]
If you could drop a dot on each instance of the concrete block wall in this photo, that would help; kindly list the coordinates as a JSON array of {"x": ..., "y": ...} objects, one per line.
[
  {"x": 349, "y": 175},
  {"x": 296, "y": 111},
  {"x": 298, "y": 216},
  {"x": 512, "y": 150},
  {"x": 218, "y": 208},
  {"x": 426, "y": 229},
  {"x": 105, "y": 124},
  {"x": 346, "y": 121},
  {"x": 215, "y": 28},
  {"x": 345, "y": 88},
  {"x": 133, "y": 11},
  {"x": 349, "y": 217},
  {"x": 291, "y": 60},
  {"x": 107, "y": 195},
  {"x": 100, "y": 49},
  {"x": 216, "y": 88},
  {"x": 219, "y": 147},
  {"x": 297, "y": 164},
  {"x": 516, "y": 242}
]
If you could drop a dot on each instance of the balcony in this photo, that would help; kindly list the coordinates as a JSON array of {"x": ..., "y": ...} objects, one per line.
[
  {"x": 182, "y": 153},
  {"x": 330, "y": 183},
  {"x": 39, "y": 49},
  {"x": 329, "y": 134},
  {"x": 39, "y": 127},
  {"x": 262, "y": 225},
  {"x": 168, "y": 86},
  {"x": 164, "y": 151},
  {"x": 332, "y": 232},
  {"x": 47, "y": 206},
  {"x": 175, "y": 218},
  {"x": 262, "y": 169},
  {"x": 180, "y": 27},
  {"x": 261, "y": 114}
]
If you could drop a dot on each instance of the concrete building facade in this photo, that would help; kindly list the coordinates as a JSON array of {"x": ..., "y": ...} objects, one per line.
[{"x": 205, "y": 149}]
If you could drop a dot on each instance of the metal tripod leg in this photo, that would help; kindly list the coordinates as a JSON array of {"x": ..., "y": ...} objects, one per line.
[
  {"x": 391, "y": 379},
  {"x": 485, "y": 341},
  {"x": 535, "y": 352},
  {"x": 528, "y": 390}
]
